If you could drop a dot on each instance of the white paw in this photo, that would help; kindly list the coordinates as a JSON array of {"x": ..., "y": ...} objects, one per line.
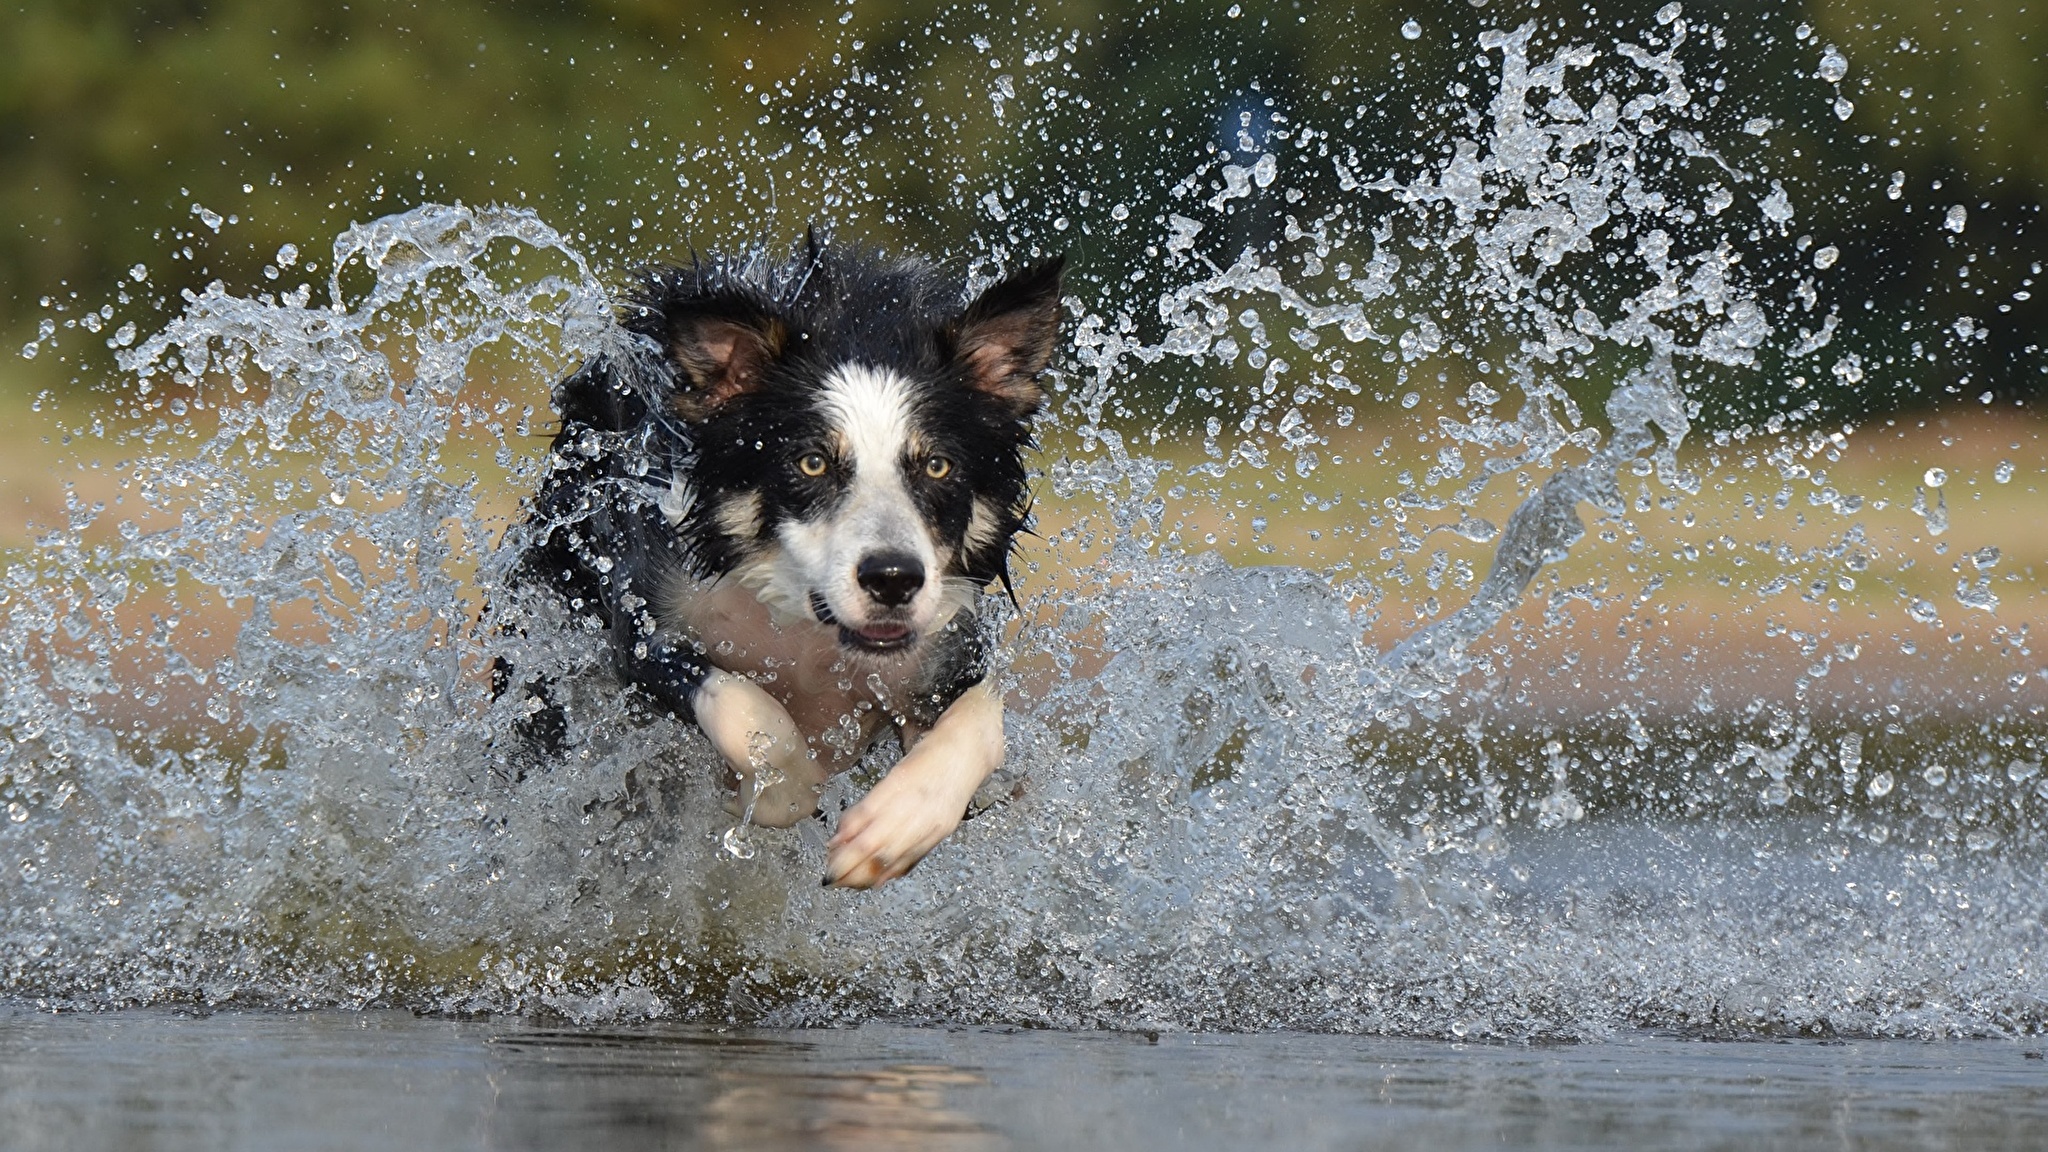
[
  {"x": 888, "y": 832},
  {"x": 778, "y": 774},
  {"x": 922, "y": 799}
]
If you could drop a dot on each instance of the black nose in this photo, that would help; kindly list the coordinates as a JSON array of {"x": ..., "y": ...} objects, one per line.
[{"x": 892, "y": 578}]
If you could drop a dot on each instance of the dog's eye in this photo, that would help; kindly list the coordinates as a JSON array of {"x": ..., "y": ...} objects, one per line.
[
  {"x": 938, "y": 467},
  {"x": 812, "y": 464}
]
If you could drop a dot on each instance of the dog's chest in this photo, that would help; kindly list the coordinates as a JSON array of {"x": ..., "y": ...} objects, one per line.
[{"x": 837, "y": 698}]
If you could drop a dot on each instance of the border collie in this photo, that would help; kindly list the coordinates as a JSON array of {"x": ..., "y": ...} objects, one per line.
[{"x": 780, "y": 499}]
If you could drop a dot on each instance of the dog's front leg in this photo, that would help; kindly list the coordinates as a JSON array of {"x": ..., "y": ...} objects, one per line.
[
  {"x": 923, "y": 798},
  {"x": 778, "y": 773}
]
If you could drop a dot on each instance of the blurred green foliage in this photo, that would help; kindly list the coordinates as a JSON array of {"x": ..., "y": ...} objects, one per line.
[{"x": 641, "y": 129}]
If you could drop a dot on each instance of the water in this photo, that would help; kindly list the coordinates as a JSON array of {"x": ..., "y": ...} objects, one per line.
[
  {"x": 1755, "y": 756},
  {"x": 378, "y": 1079}
]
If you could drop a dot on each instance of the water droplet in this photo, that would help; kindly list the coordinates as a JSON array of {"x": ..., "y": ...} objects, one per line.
[
  {"x": 1880, "y": 785},
  {"x": 139, "y": 273},
  {"x": 1957, "y": 217},
  {"x": 1935, "y": 774},
  {"x": 1935, "y": 477},
  {"x": 1411, "y": 30},
  {"x": 1826, "y": 257},
  {"x": 2003, "y": 473},
  {"x": 1559, "y": 808},
  {"x": 1937, "y": 516},
  {"x": 1978, "y": 595},
  {"x": 735, "y": 843},
  {"x": 1844, "y": 108},
  {"x": 1833, "y": 65},
  {"x": 16, "y": 814},
  {"x": 1777, "y": 206}
]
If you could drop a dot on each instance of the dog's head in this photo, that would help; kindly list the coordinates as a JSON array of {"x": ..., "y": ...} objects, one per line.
[{"x": 857, "y": 430}]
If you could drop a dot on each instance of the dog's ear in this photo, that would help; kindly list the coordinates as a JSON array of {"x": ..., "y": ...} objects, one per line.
[
  {"x": 1007, "y": 336},
  {"x": 722, "y": 347}
]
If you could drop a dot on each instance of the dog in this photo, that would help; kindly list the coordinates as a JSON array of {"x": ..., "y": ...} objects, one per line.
[{"x": 780, "y": 499}]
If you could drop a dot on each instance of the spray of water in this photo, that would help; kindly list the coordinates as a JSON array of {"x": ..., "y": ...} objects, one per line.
[{"x": 251, "y": 755}]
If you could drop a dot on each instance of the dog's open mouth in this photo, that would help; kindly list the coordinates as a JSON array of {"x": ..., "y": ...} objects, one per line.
[
  {"x": 880, "y": 637},
  {"x": 877, "y": 637}
]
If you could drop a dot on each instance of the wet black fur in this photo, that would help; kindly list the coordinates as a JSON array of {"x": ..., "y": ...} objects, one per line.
[{"x": 633, "y": 418}]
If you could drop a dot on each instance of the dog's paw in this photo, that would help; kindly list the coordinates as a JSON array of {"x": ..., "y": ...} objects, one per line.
[
  {"x": 780, "y": 805},
  {"x": 778, "y": 775},
  {"x": 901, "y": 819},
  {"x": 922, "y": 799}
]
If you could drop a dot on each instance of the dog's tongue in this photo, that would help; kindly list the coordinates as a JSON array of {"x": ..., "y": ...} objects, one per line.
[{"x": 884, "y": 633}]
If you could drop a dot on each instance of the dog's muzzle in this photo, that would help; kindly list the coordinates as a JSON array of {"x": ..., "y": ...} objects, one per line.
[
  {"x": 882, "y": 636},
  {"x": 891, "y": 581}
]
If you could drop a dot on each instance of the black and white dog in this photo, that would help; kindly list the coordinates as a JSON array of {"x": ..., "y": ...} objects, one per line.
[{"x": 781, "y": 499}]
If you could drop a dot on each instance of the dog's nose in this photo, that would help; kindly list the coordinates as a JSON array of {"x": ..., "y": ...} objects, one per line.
[{"x": 892, "y": 578}]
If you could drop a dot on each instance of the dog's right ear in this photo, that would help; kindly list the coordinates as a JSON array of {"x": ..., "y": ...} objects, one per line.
[{"x": 722, "y": 348}]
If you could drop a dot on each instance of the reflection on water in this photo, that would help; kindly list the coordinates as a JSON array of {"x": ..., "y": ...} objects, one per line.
[
  {"x": 899, "y": 1106},
  {"x": 335, "y": 1080},
  {"x": 732, "y": 1090}
]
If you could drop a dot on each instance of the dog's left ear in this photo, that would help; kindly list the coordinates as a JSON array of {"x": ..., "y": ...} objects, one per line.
[{"x": 1007, "y": 336}]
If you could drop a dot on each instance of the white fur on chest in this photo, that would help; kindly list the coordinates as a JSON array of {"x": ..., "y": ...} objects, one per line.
[{"x": 837, "y": 697}]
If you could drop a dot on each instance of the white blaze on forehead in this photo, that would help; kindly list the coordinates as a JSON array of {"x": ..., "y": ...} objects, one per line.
[
  {"x": 870, "y": 407},
  {"x": 870, "y": 414}
]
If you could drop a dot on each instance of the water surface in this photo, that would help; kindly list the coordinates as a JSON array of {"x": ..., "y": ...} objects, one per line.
[{"x": 385, "y": 1079}]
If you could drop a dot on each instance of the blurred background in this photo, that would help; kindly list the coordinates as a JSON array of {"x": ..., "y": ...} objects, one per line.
[{"x": 193, "y": 138}]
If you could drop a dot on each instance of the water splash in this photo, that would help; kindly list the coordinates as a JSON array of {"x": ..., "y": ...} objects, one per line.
[{"x": 252, "y": 758}]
